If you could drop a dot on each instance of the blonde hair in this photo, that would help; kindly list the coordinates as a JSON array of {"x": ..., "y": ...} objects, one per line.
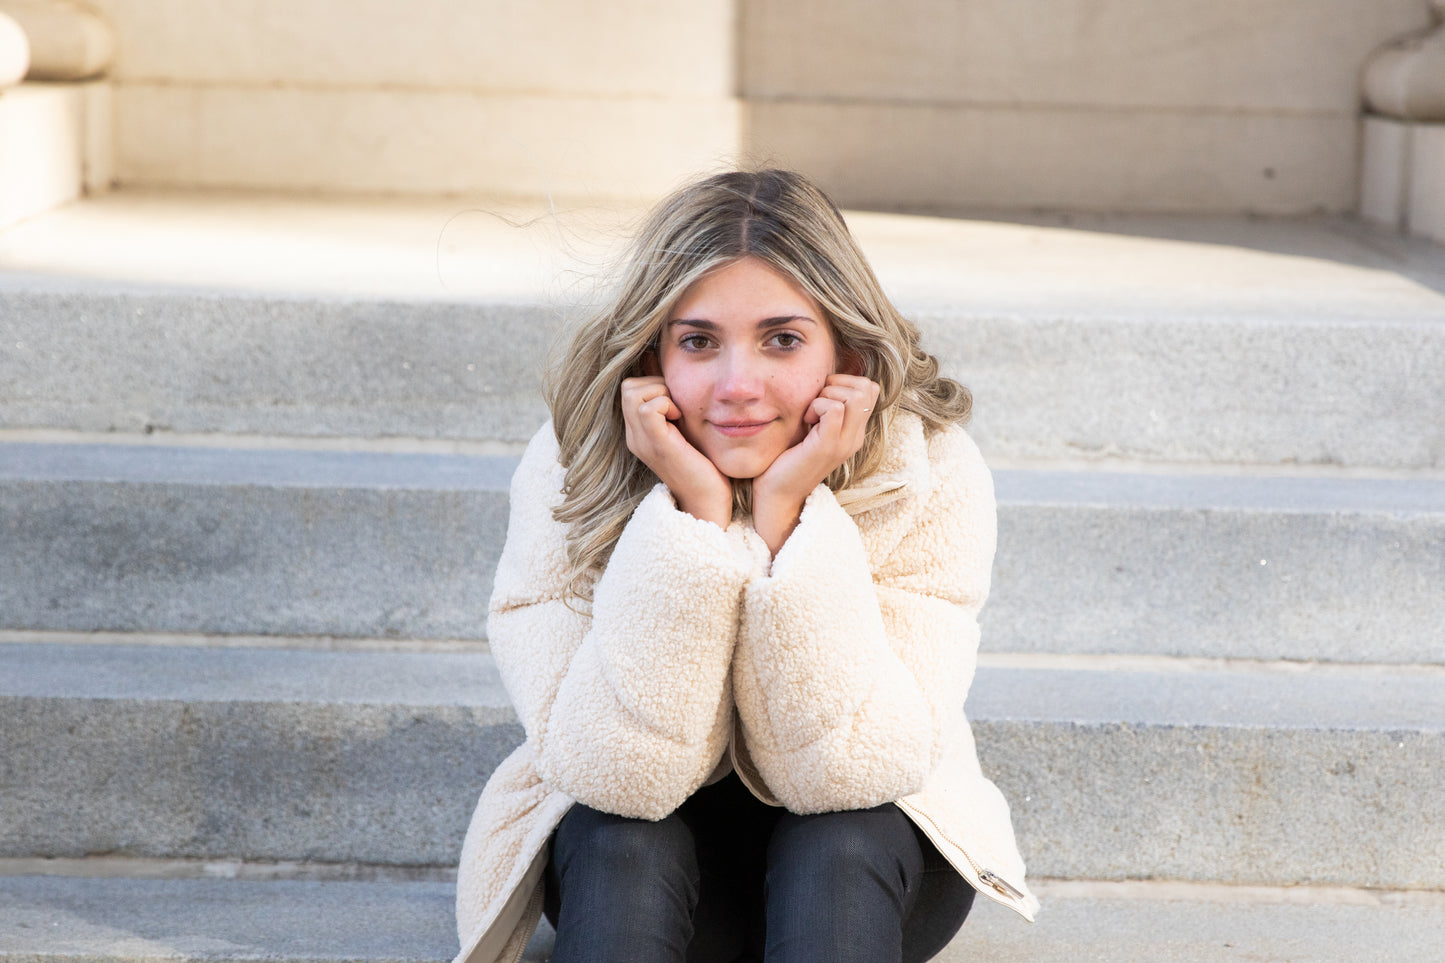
[{"x": 781, "y": 219}]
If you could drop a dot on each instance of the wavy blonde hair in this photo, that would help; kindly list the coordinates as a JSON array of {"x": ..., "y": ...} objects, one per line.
[{"x": 781, "y": 219}]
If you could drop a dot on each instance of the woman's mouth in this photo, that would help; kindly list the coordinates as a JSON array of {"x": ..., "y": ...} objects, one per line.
[{"x": 740, "y": 429}]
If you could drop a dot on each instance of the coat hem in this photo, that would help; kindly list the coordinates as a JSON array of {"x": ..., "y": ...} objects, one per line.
[{"x": 514, "y": 923}]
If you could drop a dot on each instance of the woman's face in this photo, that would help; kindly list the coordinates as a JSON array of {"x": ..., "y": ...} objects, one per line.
[{"x": 743, "y": 354}]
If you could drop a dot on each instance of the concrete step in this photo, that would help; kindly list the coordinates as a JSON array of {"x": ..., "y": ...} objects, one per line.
[
  {"x": 339, "y": 757},
  {"x": 158, "y": 539},
  {"x": 55, "y": 918},
  {"x": 267, "y": 316},
  {"x": 44, "y": 919},
  {"x": 1226, "y": 566},
  {"x": 1314, "y": 391},
  {"x": 1244, "y": 773},
  {"x": 265, "y": 542}
]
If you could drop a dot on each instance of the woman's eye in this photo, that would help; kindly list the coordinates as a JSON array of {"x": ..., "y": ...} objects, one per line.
[
  {"x": 785, "y": 340},
  {"x": 693, "y": 342}
]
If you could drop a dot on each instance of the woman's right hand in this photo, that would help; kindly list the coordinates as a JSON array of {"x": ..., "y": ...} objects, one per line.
[{"x": 698, "y": 487}]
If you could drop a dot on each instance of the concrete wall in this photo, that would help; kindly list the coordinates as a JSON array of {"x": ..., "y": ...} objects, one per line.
[
  {"x": 1225, "y": 105},
  {"x": 424, "y": 96},
  {"x": 1084, "y": 104}
]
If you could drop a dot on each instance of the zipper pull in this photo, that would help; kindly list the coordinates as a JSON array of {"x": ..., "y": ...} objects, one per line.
[{"x": 1000, "y": 884}]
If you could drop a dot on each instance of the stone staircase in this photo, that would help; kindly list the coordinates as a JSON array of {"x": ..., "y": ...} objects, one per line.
[{"x": 253, "y": 465}]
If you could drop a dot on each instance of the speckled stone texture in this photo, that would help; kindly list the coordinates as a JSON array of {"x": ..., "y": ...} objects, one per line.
[
  {"x": 48, "y": 920},
  {"x": 1243, "y": 775},
  {"x": 182, "y": 540},
  {"x": 1307, "y": 383}
]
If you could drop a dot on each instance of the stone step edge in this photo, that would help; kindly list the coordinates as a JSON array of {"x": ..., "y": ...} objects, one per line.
[
  {"x": 131, "y": 867},
  {"x": 1098, "y": 662},
  {"x": 1018, "y": 691},
  {"x": 353, "y": 444},
  {"x": 408, "y": 445},
  {"x": 47, "y": 919},
  {"x": 197, "y": 640},
  {"x": 1321, "y": 290},
  {"x": 113, "y": 867},
  {"x": 936, "y": 294},
  {"x": 443, "y": 471}
]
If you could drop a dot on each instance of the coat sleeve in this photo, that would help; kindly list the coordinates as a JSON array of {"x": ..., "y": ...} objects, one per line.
[
  {"x": 849, "y": 674},
  {"x": 629, "y": 707}
]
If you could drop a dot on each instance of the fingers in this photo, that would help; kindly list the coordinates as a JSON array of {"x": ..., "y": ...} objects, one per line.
[
  {"x": 860, "y": 394},
  {"x": 643, "y": 399},
  {"x": 647, "y": 413},
  {"x": 853, "y": 381},
  {"x": 648, "y": 395},
  {"x": 839, "y": 419},
  {"x": 635, "y": 391},
  {"x": 854, "y": 398},
  {"x": 823, "y": 407},
  {"x": 696, "y": 484},
  {"x": 661, "y": 405}
]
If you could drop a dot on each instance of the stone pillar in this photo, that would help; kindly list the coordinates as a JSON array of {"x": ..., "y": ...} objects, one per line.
[
  {"x": 68, "y": 39},
  {"x": 1403, "y": 175},
  {"x": 14, "y": 52},
  {"x": 56, "y": 138}
]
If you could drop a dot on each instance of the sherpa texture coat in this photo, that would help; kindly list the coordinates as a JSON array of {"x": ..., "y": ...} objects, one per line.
[{"x": 830, "y": 677}]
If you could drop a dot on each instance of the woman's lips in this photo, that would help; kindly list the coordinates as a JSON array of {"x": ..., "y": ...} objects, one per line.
[{"x": 740, "y": 429}]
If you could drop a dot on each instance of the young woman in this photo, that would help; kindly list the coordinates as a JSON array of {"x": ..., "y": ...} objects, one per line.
[{"x": 736, "y": 612}]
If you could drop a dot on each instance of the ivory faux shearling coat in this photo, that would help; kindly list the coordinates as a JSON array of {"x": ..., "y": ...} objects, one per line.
[{"x": 830, "y": 677}]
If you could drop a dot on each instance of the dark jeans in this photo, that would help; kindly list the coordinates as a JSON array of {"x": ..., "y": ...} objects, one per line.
[{"x": 727, "y": 879}]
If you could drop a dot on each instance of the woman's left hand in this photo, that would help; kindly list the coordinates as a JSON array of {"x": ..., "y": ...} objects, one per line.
[{"x": 839, "y": 416}]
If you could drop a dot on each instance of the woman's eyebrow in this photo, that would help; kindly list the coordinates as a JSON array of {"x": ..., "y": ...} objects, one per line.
[
  {"x": 777, "y": 322},
  {"x": 785, "y": 320}
]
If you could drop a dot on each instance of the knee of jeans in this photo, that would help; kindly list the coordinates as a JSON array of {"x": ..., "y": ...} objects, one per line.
[
  {"x": 623, "y": 844},
  {"x": 844, "y": 842}
]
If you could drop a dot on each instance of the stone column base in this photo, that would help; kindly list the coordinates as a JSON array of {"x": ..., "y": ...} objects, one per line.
[
  {"x": 1403, "y": 183},
  {"x": 14, "y": 52},
  {"x": 55, "y": 144}
]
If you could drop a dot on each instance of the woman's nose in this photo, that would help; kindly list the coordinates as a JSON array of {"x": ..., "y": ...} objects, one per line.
[{"x": 740, "y": 378}]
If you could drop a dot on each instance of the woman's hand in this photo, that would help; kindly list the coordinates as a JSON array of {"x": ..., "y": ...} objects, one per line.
[
  {"x": 839, "y": 416},
  {"x": 698, "y": 487}
]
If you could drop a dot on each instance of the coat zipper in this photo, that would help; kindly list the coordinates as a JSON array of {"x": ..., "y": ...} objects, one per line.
[
  {"x": 986, "y": 876},
  {"x": 747, "y": 773},
  {"x": 997, "y": 882},
  {"x": 534, "y": 914}
]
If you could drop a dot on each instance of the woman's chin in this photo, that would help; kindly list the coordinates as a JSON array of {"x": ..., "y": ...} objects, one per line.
[{"x": 741, "y": 468}]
